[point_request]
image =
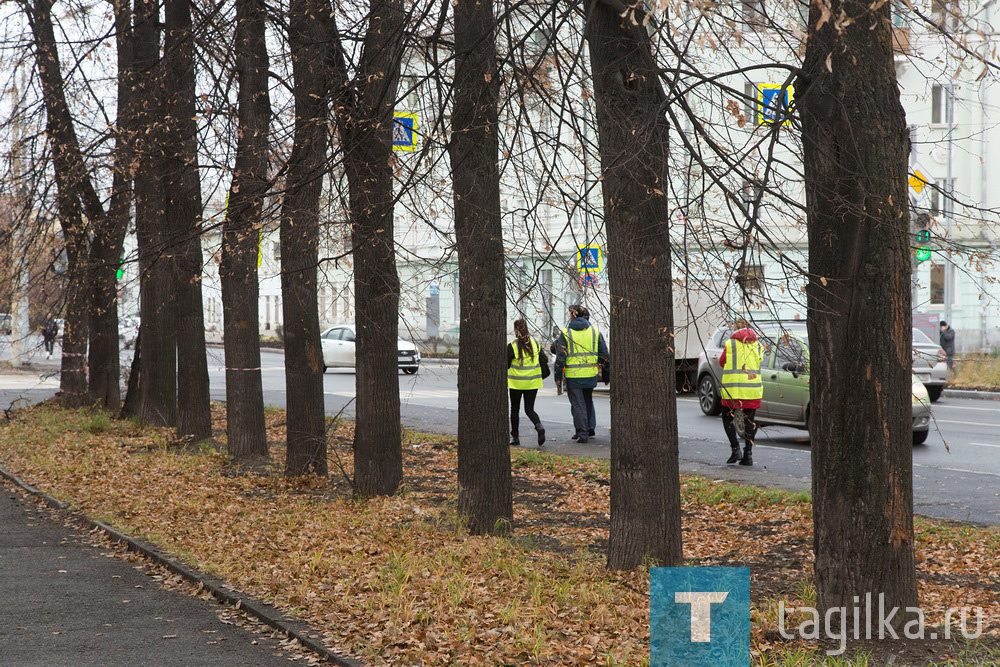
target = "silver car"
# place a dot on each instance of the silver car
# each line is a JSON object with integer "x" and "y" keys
{"x": 929, "y": 364}
{"x": 785, "y": 370}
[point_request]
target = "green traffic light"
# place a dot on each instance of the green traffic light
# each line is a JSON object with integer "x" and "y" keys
{"x": 923, "y": 253}
{"x": 923, "y": 236}
{"x": 119, "y": 274}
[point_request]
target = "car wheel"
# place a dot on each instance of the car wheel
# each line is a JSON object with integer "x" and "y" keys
{"x": 708, "y": 396}
{"x": 324, "y": 368}
{"x": 919, "y": 437}
{"x": 409, "y": 371}
{"x": 935, "y": 391}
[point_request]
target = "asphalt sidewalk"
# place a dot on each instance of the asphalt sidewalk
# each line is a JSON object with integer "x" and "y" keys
{"x": 64, "y": 601}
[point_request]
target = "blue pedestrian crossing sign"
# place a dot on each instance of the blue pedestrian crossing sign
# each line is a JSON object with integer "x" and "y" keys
{"x": 589, "y": 258}
{"x": 404, "y": 131}
{"x": 773, "y": 104}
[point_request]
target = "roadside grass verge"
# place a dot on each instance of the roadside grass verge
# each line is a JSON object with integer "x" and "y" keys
{"x": 976, "y": 371}
{"x": 397, "y": 581}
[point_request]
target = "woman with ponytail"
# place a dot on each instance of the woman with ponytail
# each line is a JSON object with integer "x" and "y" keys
{"x": 527, "y": 365}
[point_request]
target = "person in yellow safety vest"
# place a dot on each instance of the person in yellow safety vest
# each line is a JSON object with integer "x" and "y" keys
{"x": 527, "y": 366}
{"x": 581, "y": 354}
{"x": 742, "y": 388}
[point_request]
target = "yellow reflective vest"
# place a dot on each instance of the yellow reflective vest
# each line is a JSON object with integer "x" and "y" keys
{"x": 525, "y": 371}
{"x": 742, "y": 362}
{"x": 581, "y": 352}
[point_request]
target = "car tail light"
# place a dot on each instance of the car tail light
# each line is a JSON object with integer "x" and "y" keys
{"x": 942, "y": 356}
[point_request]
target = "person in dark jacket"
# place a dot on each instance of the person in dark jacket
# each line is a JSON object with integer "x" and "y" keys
{"x": 581, "y": 356}
{"x": 527, "y": 366}
{"x": 947, "y": 342}
{"x": 49, "y": 333}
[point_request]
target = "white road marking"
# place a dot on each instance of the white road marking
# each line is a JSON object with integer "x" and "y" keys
{"x": 970, "y": 472}
{"x": 983, "y": 444}
{"x": 949, "y": 421}
{"x": 945, "y": 406}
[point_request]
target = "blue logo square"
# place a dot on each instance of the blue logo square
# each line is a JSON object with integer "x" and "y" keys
{"x": 699, "y": 617}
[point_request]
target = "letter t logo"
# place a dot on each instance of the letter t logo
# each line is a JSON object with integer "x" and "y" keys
{"x": 701, "y": 611}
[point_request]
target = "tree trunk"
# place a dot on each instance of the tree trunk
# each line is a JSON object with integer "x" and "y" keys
{"x": 130, "y": 406}
{"x": 158, "y": 389}
{"x": 109, "y": 235}
{"x": 366, "y": 126}
{"x": 484, "y": 478}
{"x": 855, "y": 154}
{"x": 633, "y": 140}
{"x": 240, "y": 233}
{"x": 183, "y": 222}
{"x": 308, "y": 35}
{"x": 75, "y": 197}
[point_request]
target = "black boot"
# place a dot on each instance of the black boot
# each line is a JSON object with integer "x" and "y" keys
{"x": 541, "y": 434}
{"x": 735, "y": 456}
{"x": 514, "y": 441}
{"x": 747, "y": 459}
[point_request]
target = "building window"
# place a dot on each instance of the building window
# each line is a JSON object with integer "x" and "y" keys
{"x": 942, "y": 105}
{"x": 942, "y": 200}
{"x": 276, "y": 250}
{"x": 750, "y": 103}
{"x": 899, "y": 17}
{"x": 937, "y": 285}
{"x": 947, "y": 14}
{"x": 752, "y": 12}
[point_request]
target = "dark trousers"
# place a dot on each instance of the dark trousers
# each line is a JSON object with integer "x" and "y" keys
{"x": 749, "y": 426}
{"x": 529, "y": 407}
{"x": 581, "y": 404}
{"x": 50, "y": 344}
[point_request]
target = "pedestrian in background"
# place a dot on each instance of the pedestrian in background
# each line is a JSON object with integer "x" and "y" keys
{"x": 49, "y": 333}
{"x": 527, "y": 366}
{"x": 742, "y": 389}
{"x": 581, "y": 354}
{"x": 947, "y": 342}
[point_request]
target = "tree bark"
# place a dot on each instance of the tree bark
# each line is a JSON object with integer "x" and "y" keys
{"x": 75, "y": 197}
{"x": 308, "y": 35}
{"x": 109, "y": 235}
{"x": 484, "y": 477}
{"x": 855, "y": 154}
{"x": 183, "y": 222}
{"x": 238, "y": 270}
{"x": 366, "y": 128}
{"x": 158, "y": 389}
{"x": 633, "y": 144}
{"x": 130, "y": 406}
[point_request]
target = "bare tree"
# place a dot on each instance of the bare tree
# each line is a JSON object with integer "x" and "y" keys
{"x": 484, "y": 477}
{"x": 109, "y": 232}
{"x": 238, "y": 271}
{"x": 308, "y": 33}
{"x": 633, "y": 140}
{"x": 364, "y": 110}
{"x": 158, "y": 364}
{"x": 855, "y": 154}
{"x": 183, "y": 207}
{"x": 76, "y": 198}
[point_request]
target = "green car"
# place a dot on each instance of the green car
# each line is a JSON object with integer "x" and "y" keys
{"x": 785, "y": 370}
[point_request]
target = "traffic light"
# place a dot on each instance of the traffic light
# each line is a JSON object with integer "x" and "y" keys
{"x": 120, "y": 273}
{"x": 923, "y": 237}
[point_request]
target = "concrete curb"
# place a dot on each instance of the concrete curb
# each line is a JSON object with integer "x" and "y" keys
{"x": 309, "y": 638}
{"x": 969, "y": 393}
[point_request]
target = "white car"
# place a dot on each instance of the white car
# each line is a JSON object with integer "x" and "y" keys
{"x": 339, "y": 345}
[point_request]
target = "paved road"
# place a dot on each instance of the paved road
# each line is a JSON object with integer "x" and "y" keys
{"x": 963, "y": 483}
{"x": 64, "y": 601}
